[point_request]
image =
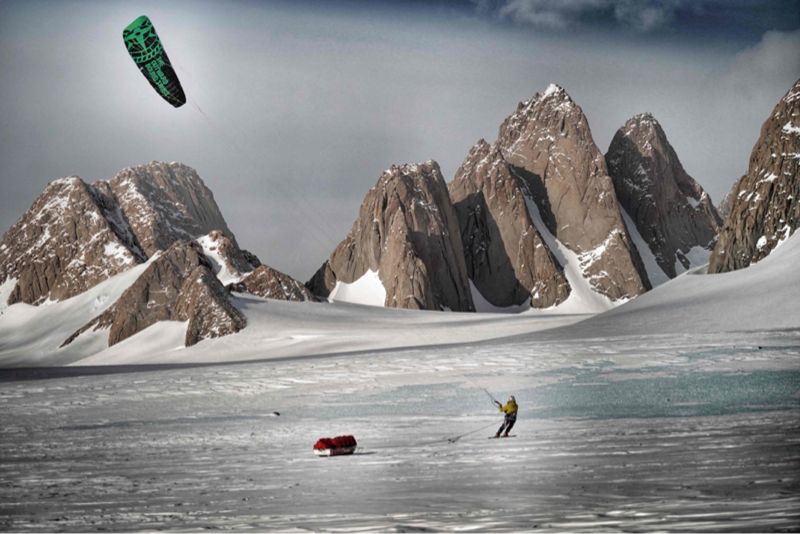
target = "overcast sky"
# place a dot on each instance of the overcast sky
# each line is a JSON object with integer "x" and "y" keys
{"x": 295, "y": 108}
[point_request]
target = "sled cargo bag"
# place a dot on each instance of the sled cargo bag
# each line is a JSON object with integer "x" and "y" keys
{"x": 335, "y": 446}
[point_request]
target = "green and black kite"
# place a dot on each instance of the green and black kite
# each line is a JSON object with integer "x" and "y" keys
{"x": 147, "y": 52}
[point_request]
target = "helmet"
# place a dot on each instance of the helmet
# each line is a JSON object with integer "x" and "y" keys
{"x": 511, "y": 398}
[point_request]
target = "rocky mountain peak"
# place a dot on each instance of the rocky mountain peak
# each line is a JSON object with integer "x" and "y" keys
{"x": 540, "y": 119}
{"x": 554, "y": 95}
{"x": 62, "y": 245}
{"x": 548, "y": 144}
{"x": 645, "y": 128}
{"x": 407, "y": 233}
{"x": 506, "y": 256}
{"x": 165, "y": 202}
{"x": 764, "y": 206}
{"x": 668, "y": 208}
{"x": 76, "y": 235}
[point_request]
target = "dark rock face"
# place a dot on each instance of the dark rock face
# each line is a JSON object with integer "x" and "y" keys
{"x": 179, "y": 285}
{"x": 506, "y": 257}
{"x": 545, "y": 158}
{"x": 270, "y": 283}
{"x": 671, "y": 211}
{"x": 206, "y": 305}
{"x": 408, "y": 232}
{"x": 764, "y": 207}
{"x": 63, "y": 245}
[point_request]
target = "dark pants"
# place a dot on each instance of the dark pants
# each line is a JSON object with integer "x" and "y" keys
{"x": 508, "y": 424}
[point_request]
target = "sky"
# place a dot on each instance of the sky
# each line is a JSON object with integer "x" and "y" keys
{"x": 296, "y": 107}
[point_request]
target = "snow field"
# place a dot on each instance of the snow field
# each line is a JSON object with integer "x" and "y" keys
{"x": 650, "y": 433}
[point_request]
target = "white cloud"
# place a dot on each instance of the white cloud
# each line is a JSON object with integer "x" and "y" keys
{"x": 549, "y": 13}
{"x": 644, "y": 17}
{"x": 641, "y": 16}
{"x": 775, "y": 60}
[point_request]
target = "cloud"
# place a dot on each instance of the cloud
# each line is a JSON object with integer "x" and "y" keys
{"x": 776, "y": 58}
{"x": 638, "y": 15}
{"x": 549, "y": 13}
{"x": 645, "y": 16}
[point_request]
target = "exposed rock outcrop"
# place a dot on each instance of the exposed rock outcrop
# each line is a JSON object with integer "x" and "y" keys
{"x": 506, "y": 257}
{"x": 76, "y": 235}
{"x": 230, "y": 263}
{"x": 163, "y": 203}
{"x": 179, "y": 285}
{"x": 407, "y": 231}
{"x": 544, "y": 159}
{"x": 671, "y": 211}
{"x": 272, "y": 284}
{"x": 63, "y": 245}
{"x": 764, "y": 209}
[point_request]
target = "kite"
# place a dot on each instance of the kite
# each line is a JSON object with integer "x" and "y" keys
{"x": 148, "y": 53}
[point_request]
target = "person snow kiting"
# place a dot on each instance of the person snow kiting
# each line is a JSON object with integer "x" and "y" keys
{"x": 510, "y": 409}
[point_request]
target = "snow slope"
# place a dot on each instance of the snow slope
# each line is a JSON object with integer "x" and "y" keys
{"x": 280, "y": 329}
{"x": 367, "y": 290}
{"x": 655, "y": 274}
{"x": 32, "y": 335}
{"x": 582, "y": 298}
{"x": 225, "y": 274}
{"x": 764, "y": 296}
{"x": 761, "y": 297}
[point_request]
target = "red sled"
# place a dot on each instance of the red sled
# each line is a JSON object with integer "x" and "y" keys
{"x": 335, "y": 446}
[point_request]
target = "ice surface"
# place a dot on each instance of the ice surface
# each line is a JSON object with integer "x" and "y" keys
{"x": 650, "y": 433}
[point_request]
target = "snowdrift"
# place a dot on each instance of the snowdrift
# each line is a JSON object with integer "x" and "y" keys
{"x": 764, "y": 296}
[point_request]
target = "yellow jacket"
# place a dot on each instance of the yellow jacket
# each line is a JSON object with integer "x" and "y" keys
{"x": 510, "y": 408}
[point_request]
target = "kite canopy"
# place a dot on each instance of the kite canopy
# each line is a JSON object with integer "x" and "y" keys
{"x": 148, "y": 53}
